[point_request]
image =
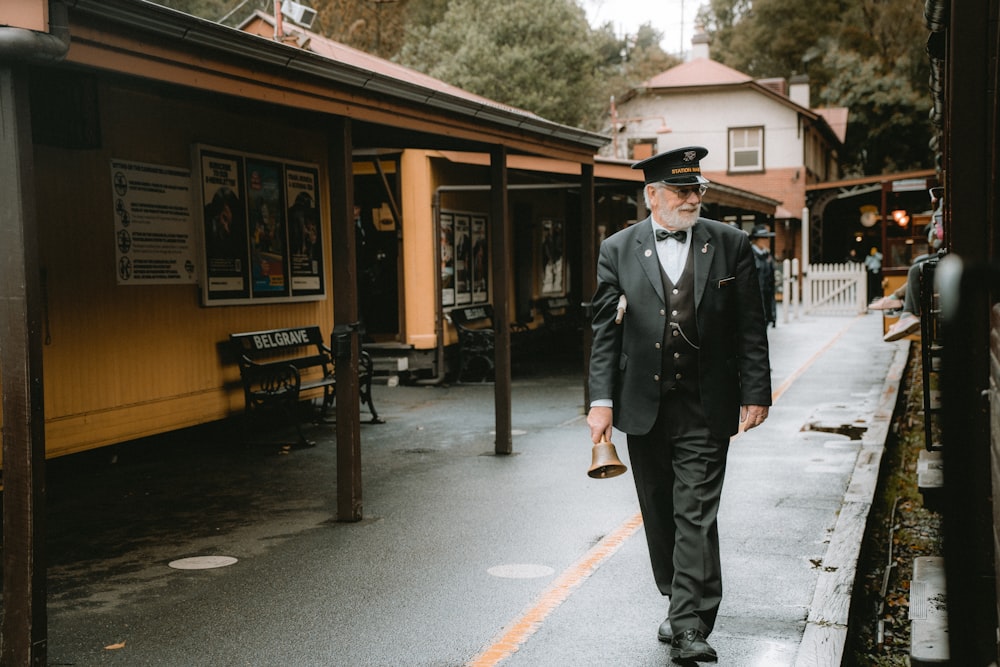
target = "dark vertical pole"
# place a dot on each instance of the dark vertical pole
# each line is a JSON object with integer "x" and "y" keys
{"x": 345, "y": 314}
{"x": 970, "y": 145}
{"x": 501, "y": 261}
{"x": 24, "y": 634}
{"x": 588, "y": 264}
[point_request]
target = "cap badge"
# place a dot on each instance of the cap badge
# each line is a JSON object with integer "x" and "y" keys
{"x": 690, "y": 155}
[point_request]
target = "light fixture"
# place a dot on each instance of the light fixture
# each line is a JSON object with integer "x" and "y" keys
{"x": 869, "y": 216}
{"x": 901, "y": 217}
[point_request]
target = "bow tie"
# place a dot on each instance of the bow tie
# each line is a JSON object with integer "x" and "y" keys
{"x": 679, "y": 236}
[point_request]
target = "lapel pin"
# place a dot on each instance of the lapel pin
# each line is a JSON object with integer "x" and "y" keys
{"x": 704, "y": 248}
{"x": 649, "y": 253}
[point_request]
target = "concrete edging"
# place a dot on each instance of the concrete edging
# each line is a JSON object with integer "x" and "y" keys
{"x": 825, "y": 635}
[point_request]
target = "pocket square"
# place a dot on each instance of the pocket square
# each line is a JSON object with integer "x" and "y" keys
{"x": 726, "y": 282}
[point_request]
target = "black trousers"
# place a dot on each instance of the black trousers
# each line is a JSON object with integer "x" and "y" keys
{"x": 678, "y": 469}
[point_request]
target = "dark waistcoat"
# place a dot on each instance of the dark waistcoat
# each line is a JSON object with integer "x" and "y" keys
{"x": 679, "y": 359}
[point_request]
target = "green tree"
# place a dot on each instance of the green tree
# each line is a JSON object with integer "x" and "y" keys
{"x": 373, "y": 26}
{"x": 888, "y": 129}
{"x": 866, "y": 55}
{"x": 533, "y": 54}
{"x": 625, "y": 63}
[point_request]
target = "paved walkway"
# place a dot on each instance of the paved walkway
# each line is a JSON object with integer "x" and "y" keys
{"x": 466, "y": 558}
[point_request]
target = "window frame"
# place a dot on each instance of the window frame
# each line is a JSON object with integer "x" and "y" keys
{"x": 731, "y": 149}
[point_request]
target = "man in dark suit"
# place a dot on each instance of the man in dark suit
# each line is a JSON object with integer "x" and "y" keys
{"x": 679, "y": 363}
{"x": 760, "y": 243}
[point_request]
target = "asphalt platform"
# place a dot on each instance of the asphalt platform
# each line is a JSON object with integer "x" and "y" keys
{"x": 463, "y": 557}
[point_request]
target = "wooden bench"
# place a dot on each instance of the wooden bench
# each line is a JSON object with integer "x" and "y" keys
{"x": 278, "y": 366}
{"x": 559, "y": 316}
{"x": 477, "y": 340}
{"x": 562, "y": 324}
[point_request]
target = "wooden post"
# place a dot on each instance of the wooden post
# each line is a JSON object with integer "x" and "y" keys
{"x": 24, "y": 633}
{"x": 345, "y": 316}
{"x": 588, "y": 266}
{"x": 501, "y": 261}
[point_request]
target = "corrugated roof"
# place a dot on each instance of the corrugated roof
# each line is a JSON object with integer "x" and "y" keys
{"x": 448, "y": 111}
{"x": 328, "y": 48}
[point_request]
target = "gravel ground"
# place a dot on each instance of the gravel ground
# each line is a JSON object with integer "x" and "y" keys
{"x": 901, "y": 528}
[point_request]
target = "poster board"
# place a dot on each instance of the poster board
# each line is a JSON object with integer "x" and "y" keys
{"x": 260, "y": 228}
{"x": 552, "y": 258}
{"x": 155, "y": 241}
{"x": 464, "y": 255}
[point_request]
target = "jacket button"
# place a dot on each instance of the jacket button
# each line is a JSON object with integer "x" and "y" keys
{"x": 662, "y": 312}
{"x": 677, "y": 355}
{"x": 657, "y": 345}
{"x": 677, "y": 377}
{"x": 656, "y": 377}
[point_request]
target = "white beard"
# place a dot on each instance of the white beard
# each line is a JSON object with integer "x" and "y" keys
{"x": 678, "y": 219}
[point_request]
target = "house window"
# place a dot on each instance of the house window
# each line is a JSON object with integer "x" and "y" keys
{"x": 746, "y": 149}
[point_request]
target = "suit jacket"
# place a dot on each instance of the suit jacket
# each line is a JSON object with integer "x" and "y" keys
{"x": 733, "y": 365}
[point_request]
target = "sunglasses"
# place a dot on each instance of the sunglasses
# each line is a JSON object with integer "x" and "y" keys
{"x": 687, "y": 191}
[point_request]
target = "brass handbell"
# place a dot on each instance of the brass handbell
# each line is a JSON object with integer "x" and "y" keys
{"x": 604, "y": 461}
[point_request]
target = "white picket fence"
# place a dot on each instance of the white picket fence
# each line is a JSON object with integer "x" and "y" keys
{"x": 827, "y": 289}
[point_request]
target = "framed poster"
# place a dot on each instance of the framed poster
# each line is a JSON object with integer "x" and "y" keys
{"x": 447, "y": 254}
{"x": 262, "y": 231}
{"x": 305, "y": 233}
{"x": 226, "y": 274}
{"x": 463, "y": 255}
{"x": 268, "y": 235}
{"x": 465, "y": 258}
{"x": 480, "y": 260}
{"x": 552, "y": 251}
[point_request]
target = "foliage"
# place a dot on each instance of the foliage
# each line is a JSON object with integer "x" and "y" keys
{"x": 531, "y": 54}
{"x": 888, "y": 129}
{"x": 538, "y": 55}
{"x": 373, "y": 26}
{"x": 866, "y": 55}
{"x": 624, "y": 63}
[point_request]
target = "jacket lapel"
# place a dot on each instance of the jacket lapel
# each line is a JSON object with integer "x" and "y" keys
{"x": 645, "y": 254}
{"x": 703, "y": 249}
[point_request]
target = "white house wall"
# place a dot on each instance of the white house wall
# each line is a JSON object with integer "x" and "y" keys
{"x": 703, "y": 119}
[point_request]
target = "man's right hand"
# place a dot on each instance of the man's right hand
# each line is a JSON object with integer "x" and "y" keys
{"x": 599, "y": 420}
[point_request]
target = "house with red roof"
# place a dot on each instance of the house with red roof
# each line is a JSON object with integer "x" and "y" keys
{"x": 763, "y": 135}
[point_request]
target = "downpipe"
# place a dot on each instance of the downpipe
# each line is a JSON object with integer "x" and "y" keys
{"x": 21, "y": 44}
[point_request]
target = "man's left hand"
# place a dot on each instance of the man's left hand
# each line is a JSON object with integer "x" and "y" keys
{"x": 752, "y": 415}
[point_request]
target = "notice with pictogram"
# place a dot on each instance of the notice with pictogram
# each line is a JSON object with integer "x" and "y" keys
{"x": 154, "y": 228}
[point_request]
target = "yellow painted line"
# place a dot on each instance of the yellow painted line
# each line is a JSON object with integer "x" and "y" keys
{"x": 809, "y": 362}
{"x": 516, "y": 634}
{"x": 783, "y": 387}
{"x": 511, "y": 639}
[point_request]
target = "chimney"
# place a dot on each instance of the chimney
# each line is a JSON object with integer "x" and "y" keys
{"x": 798, "y": 90}
{"x": 699, "y": 43}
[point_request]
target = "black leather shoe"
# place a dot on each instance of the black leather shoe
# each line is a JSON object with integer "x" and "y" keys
{"x": 691, "y": 645}
{"x": 665, "y": 634}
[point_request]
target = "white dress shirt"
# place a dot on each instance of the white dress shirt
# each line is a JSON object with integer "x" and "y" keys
{"x": 672, "y": 253}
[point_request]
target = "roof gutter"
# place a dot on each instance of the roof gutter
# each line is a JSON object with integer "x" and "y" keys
{"x": 149, "y": 17}
{"x": 26, "y": 45}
